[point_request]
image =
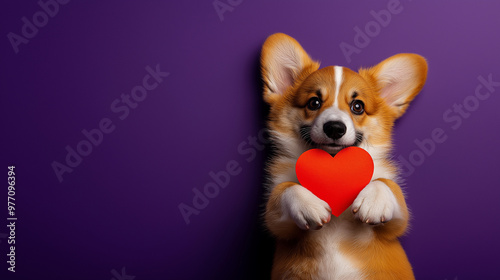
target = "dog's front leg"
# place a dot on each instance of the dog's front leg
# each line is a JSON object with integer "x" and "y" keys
{"x": 382, "y": 201}
{"x": 292, "y": 208}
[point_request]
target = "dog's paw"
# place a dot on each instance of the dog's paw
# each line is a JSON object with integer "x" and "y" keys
{"x": 376, "y": 204}
{"x": 305, "y": 208}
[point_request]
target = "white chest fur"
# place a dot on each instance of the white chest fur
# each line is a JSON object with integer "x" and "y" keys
{"x": 333, "y": 263}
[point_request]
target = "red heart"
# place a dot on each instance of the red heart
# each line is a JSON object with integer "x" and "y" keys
{"x": 336, "y": 180}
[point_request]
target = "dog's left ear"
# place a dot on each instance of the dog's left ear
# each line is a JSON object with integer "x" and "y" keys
{"x": 399, "y": 79}
{"x": 283, "y": 62}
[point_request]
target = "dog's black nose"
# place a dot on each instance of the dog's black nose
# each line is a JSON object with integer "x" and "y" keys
{"x": 334, "y": 129}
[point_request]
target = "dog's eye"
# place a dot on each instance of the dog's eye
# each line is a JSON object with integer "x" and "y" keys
{"x": 357, "y": 107}
{"x": 314, "y": 104}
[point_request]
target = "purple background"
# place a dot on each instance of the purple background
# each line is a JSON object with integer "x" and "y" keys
{"x": 119, "y": 207}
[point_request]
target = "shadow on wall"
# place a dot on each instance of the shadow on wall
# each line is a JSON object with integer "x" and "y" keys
{"x": 256, "y": 261}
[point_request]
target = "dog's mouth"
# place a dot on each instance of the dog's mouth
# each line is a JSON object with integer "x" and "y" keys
{"x": 305, "y": 134}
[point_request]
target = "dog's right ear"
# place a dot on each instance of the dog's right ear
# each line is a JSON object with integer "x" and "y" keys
{"x": 283, "y": 62}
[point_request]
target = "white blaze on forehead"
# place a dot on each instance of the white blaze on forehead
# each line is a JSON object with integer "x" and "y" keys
{"x": 338, "y": 81}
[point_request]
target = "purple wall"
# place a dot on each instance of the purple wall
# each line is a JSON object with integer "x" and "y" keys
{"x": 116, "y": 214}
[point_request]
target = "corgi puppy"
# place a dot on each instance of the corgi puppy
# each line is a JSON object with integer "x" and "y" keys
{"x": 332, "y": 108}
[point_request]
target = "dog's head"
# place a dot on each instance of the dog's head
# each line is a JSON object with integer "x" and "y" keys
{"x": 334, "y": 107}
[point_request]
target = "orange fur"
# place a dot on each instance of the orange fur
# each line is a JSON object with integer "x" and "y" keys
{"x": 291, "y": 78}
